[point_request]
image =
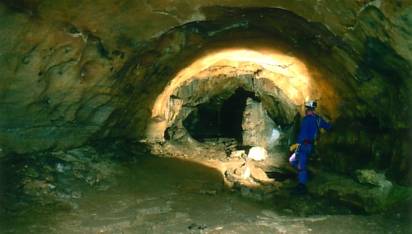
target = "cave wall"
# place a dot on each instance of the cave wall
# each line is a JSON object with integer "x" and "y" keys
{"x": 55, "y": 87}
{"x": 73, "y": 71}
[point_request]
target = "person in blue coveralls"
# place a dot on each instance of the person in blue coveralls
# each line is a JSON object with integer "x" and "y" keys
{"x": 309, "y": 128}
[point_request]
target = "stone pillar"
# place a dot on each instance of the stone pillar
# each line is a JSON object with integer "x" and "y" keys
{"x": 257, "y": 126}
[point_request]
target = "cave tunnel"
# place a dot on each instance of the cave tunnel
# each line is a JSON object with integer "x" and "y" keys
{"x": 164, "y": 106}
{"x": 219, "y": 118}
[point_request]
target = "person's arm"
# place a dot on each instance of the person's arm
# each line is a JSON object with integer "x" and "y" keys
{"x": 323, "y": 124}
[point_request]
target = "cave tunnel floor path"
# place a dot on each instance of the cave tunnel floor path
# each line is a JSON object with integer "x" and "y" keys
{"x": 163, "y": 195}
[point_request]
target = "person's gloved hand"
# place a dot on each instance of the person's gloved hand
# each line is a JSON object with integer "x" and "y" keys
{"x": 293, "y": 147}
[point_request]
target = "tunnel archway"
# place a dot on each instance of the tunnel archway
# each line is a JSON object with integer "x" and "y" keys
{"x": 219, "y": 118}
{"x": 328, "y": 89}
{"x": 282, "y": 82}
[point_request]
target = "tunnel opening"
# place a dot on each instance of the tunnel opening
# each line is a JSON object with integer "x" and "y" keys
{"x": 219, "y": 118}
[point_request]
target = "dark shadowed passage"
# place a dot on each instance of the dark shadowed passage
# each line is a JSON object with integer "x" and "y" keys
{"x": 219, "y": 118}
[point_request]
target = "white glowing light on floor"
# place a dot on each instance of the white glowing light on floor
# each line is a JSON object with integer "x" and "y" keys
{"x": 286, "y": 72}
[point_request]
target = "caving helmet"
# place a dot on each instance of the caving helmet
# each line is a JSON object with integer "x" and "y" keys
{"x": 311, "y": 104}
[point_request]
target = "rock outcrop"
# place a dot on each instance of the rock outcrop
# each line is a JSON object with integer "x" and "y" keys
{"x": 257, "y": 125}
{"x": 367, "y": 197}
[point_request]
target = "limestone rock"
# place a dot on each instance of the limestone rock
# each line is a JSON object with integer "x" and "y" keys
{"x": 258, "y": 174}
{"x": 373, "y": 178}
{"x": 49, "y": 177}
{"x": 243, "y": 171}
{"x": 237, "y": 154}
{"x": 237, "y": 174}
{"x": 364, "y": 196}
{"x": 256, "y": 125}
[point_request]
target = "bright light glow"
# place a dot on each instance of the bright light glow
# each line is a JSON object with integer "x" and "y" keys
{"x": 286, "y": 72}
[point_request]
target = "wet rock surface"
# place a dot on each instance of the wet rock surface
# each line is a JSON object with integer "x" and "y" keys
{"x": 372, "y": 177}
{"x": 261, "y": 180}
{"x": 160, "y": 195}
{"x": 57, "y": 178}
{"x": 364, "y": 196}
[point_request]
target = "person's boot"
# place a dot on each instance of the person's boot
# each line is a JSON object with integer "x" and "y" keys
{"x": 300, "y": 189}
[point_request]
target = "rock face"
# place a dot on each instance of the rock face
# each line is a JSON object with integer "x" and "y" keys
{"x": 368, "y": 197}
{"x": 58, "y": 177}
{"x": 65, "y": 73}
{"x": 212, "y": 87}
{"x": 373, "y": 178}
{"x": 257, "y": 126}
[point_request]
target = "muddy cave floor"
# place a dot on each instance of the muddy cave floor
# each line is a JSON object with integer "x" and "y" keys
{"x": 120, "y": 190}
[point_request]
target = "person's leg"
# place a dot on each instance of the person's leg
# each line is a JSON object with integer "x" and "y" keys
{"x": 303, "y": 161}
{"x": 302, "y": 158}
{"x": 302, "y": 167}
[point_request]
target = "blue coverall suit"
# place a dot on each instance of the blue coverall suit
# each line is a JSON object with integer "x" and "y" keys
{"x": 310, "y": 126}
